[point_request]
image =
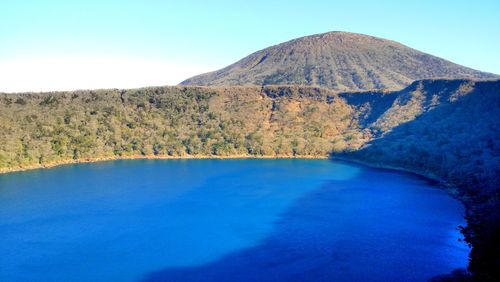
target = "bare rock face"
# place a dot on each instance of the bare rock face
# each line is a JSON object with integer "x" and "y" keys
{"x": 338, "y": 60}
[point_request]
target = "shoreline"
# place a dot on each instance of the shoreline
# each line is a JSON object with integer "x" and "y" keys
{"x": 382, "y": 166}
{"x": 450, "y": 188}
{"x": 441, "y": 182}
{"x": 155, "y": 157}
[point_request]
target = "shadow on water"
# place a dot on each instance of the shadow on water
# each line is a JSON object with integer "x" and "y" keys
{"x": 231, "y": 220}
{"x": 371, "y": 229}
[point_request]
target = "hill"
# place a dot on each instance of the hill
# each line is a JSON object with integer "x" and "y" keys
{"x": 42, "y": 129}
{"x": 337, "y": 60}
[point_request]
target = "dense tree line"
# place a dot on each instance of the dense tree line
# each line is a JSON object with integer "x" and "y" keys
{"x": 41, "y": 129}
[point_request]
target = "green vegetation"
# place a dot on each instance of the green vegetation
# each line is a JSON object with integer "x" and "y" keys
{"x": 43, "y": 129}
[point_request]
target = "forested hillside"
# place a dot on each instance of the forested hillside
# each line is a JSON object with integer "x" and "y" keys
{"x": 449, "y": 120}
{"x": 446, "y": 128}
{"x": 42, "y": 129}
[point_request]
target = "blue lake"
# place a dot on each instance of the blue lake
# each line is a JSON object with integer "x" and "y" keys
{"x": 226, "y": 220}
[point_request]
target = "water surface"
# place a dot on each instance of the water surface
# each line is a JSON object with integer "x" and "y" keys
{"x": 225, "y": 220}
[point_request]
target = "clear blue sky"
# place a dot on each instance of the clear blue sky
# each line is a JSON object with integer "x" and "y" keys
{"x": 212, "y": 34}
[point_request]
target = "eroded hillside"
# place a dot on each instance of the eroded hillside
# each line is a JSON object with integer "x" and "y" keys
{"x": 341, "y": 61}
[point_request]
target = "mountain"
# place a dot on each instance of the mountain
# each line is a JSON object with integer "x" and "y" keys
{"x": 337, "y": 60}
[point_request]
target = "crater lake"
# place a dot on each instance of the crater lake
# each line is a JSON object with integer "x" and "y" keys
{"x": 226, "y": 220}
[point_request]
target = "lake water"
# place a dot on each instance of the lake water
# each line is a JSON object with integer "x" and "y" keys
{"x": 225, "y": 220}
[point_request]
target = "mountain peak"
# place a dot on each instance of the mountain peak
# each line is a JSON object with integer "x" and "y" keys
{"x": 338, "y": 60}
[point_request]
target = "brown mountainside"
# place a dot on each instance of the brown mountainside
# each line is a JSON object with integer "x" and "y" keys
{"x": 337, "y": 60}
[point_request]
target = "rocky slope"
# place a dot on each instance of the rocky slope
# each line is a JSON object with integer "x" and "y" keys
{"x": 337, "y": 60}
